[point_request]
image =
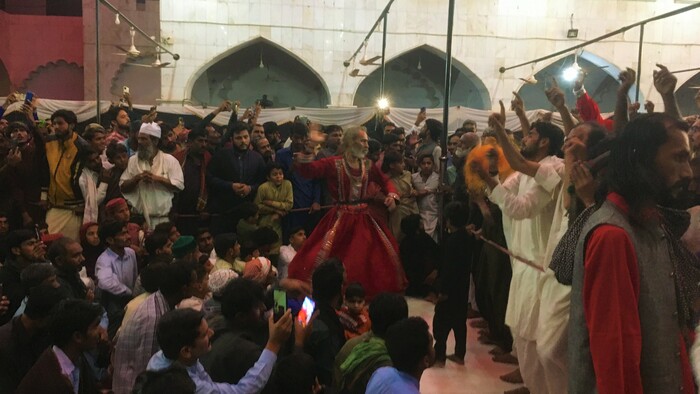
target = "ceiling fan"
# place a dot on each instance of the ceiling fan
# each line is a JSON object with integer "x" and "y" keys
{"x": 356, "y": 73}
{"x": 156, "y": 64}
{"x": 371, "y": 61}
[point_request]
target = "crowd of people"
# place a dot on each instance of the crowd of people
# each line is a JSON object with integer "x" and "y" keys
{"x": 144, "y": 257}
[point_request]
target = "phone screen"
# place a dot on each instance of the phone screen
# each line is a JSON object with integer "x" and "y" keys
{"x": 280, "y": 298}
{"x": 307, "y": 309}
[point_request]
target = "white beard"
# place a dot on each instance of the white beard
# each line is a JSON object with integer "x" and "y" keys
{"x": 358, "y": 152}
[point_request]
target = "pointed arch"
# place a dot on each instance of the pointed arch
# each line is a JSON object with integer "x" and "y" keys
{"x": 601, "y": 82}
{"x": 408, "y": 86}
{"x": 685, "y": 95}
{"x": 257, "y": 67}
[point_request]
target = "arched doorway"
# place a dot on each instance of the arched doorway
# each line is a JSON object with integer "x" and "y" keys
{"x": 260, "y": 67}
{"x": 685, "y": 95}
{"x": 416, "y": 79}
{"x": 601, "y": 82}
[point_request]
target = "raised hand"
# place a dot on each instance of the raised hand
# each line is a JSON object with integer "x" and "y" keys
{"x": 627, "y": 79}
{"x": 517, "y": 104}
{"x": 555, "y": 95}
{"x": 664, "y": 81}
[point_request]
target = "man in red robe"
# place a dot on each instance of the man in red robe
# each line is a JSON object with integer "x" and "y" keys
{"x": 350, "y": 231}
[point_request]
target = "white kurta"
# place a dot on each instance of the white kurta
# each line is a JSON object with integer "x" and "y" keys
{"x": 92, "y": 194}
{"x": 153, "y": 200}
{"x": 528, "y": 205}
{"x": 428, "y": 205}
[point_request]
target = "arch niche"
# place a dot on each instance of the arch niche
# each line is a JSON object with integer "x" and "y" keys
{"x": 685, "y": 95}
{"x": 601, "y": 82}
{"x": 416, "y": 79}
{"x": 259, "y": 67}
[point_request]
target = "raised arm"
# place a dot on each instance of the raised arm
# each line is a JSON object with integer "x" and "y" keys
{"x": 627, "y": 79}
{"x": 665, "y": 84}
{"x": 515, "y": 159}
{"x": 556, "y": 97}
{"x": 518, "y": 105}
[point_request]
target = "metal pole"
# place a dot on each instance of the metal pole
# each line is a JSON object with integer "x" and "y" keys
{"x": 97, "y": 59}
{"x": 639, "y": 61}
{"x": 374, "y": 27}
{"x": 446, "y": 113}
{"x": 381, "y": 85}
{"x": 138, "y": 29}
{"x": 604, "y": 36}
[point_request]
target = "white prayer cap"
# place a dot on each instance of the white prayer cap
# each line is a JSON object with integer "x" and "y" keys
{"x": 151, "y": 129}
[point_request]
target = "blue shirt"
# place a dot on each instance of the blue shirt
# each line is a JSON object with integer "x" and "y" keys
{"x": 306, "y": 191}
{"x": 254, "y": 380}
{"x": 116, "y": 275}
{"x": 389, "y": 380}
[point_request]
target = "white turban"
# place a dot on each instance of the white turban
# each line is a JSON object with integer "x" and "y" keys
{"x": 151, "y": 129}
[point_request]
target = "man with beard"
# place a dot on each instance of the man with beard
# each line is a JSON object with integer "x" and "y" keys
{"x": 429, "y": 135}
{"x": 262, "y": 146}
{"x": 67, "y": 256}
{"x": 24, "y": 249}
{"x": 306, "y": 191}
{"x": 528, "y": 205}
{"x": 120, "y": 125}
{"x": 62, "y": 155}
{"x": 233, "y": 176}
{"x": 152, "y": 178}
{"x": 191, "y": 202}
{"x": 334, "y": 136}
{"x": 350, "y": 231}
{"x": 634, "y": 283}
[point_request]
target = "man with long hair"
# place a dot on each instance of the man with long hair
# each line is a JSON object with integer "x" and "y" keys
{"x": 634, "y": 283}
{"x": 350, "y": 231}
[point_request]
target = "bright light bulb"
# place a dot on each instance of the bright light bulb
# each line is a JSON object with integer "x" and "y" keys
{"x": 383, "y": 103}
{"x": 570, "y": 74}
{"x": 116, "y": 20}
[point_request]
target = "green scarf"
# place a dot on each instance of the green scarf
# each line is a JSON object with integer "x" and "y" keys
{"x": 366, "y": 354}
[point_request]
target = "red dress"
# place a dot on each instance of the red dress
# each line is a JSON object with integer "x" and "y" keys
{"x": 350, "y": 231}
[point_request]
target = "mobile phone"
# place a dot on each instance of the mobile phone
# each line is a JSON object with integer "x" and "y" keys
{"x": 307, "y": 309}
{"x": 422, "y": 109}
{"x": 28, "y": 98}
{"x": 280, "y": 298}
{"x": 125, "y": 89}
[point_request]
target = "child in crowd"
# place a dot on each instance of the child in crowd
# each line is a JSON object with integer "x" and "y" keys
{"x": 118, "y": 158}
{"x": 274, "y": 200}
{"x": 453, "y": 286}
{"x": 287, "y": 252}
{"x": 247, "y": 222}
{"x": 91, "y": 176}
{"x": 395, "y": 167}
{"x": 426, "y": 182}
{"x": 419, "y": 255}
{"x": 354, "y": 315}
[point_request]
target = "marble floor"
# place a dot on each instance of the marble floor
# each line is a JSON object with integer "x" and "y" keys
{"x": 478, "y": 376}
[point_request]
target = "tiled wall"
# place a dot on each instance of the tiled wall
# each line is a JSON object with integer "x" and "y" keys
{"x": 488, "y": 34}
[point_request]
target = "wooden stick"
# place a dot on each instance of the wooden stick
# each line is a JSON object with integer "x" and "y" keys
{"x": 506, "y": 251}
